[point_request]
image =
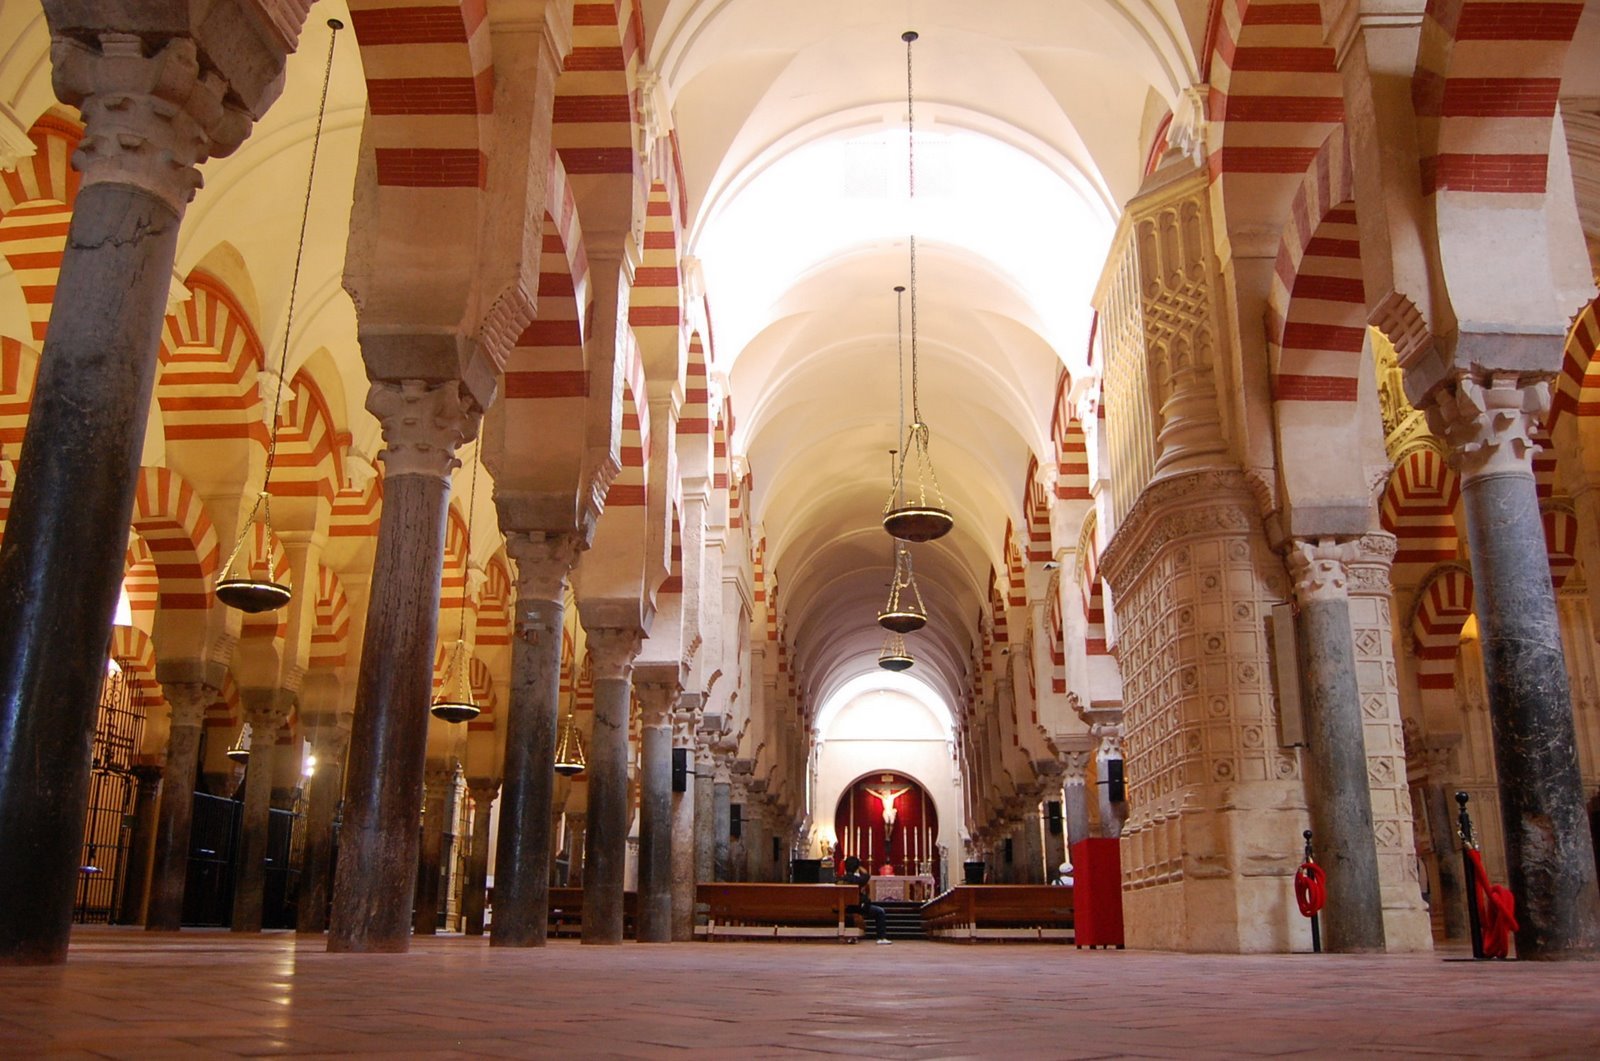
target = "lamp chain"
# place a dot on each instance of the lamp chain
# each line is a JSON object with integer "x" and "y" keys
{"x": 911, "y": 188}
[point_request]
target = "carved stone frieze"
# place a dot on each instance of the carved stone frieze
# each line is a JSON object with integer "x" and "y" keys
{"x": 423, "y": 425}
{"x": 544, "y": 561}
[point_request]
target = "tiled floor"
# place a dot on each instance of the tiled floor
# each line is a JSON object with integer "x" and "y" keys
{"x": 125, "y": 993}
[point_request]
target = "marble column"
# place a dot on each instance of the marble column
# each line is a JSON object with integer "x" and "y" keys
{"x": 1340, "y": 803}
{"x": 375, "y": 883}
{"x": 1111, "y": 814}
{"x": 611, "y": 654}
{"x": 524, "y": 844}
{"x": 1075, "y": 795}
{"x": 322, "y": 806}
{"x": 188, "y": 701}
{"x": 438, "y": 805}
{"x": 1439, "y": 803}
{"x": 154, "y": 107}
{"x": 141, "y": 843}
{"x": 722, "y": 817}
{"x": 705, "y": 816}
{"x": 577, "y": 845}
{"x": 1031, "y": 839}
{"x": 683, "y": 821}
{"x": 474, "y": 895}
{"x": 266, "y": 710}
{"x": 656, "y": 702}
{"x": 1489, "y": 420}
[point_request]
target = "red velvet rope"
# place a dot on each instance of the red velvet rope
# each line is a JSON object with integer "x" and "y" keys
{"x": 1497, "y": 916}
{"x": 1310, "y": 888}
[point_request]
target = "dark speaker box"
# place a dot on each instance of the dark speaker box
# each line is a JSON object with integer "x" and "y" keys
{"x": 1116, "y": 785}
{"x": 736, "y": 821}
{"x": 1008, "y": 849}
{"x": 680, "y": 769}
{"x": 1053, "y": 816}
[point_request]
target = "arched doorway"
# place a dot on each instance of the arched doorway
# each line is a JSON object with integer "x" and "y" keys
{"x": 888, "y": 817}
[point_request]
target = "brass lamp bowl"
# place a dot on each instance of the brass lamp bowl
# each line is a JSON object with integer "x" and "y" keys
{"x": 454, "y": 711}
{"x": 253, "y": 595}
{"x": 901, "y": 621}
{"x": 895, "y": 663}
{"x": 918, "y": 523}
{"x": 569, "y": 769}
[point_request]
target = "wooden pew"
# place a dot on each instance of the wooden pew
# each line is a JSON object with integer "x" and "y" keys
{"x": 1000, "y": 911}
{"x": 566, "y": 912}
{"x": 772, "y": 911}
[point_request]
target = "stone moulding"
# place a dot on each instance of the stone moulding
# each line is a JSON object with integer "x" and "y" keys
{"x": 1179, "y": 507}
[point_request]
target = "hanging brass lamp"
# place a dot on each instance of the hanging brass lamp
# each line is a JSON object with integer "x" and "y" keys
{"x": 247, "y": 589}
{"x": 895, "y": 656}
{"x": 454, "y": 703}
{"x": 915, "y": 512}
{"x": 904, "y": 613}
{"x": 569, "y": 748}
{"x": 239, "y": 750}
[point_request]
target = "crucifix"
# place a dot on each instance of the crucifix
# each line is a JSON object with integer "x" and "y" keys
{"x": 887, "y": 797}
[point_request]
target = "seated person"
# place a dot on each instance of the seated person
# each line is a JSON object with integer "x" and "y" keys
{"x": 1064, "y": 875}
{"x": 854, "y": 874}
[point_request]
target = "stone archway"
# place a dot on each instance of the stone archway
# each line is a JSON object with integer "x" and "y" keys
{"x": 888, "y": 817}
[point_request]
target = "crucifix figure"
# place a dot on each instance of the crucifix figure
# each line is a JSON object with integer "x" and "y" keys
{"x": 887, "y": 797}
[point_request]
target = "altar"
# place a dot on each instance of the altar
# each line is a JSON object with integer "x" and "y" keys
{"x": 915, "y": 889}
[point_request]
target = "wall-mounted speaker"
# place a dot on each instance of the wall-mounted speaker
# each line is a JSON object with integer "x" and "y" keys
{"x": 1116, "y": 784}
{"x": 777, "y": 848}
{"x": 1008, "y": 849}
{"x": 735, "y": 820}
{"x": 680, "y": 769}
{"x": 1053, "y": 816}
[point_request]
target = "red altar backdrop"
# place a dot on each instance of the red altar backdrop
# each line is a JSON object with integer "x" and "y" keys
{"x": 859, "y": 823}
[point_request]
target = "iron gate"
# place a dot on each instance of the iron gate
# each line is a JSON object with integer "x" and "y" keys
{"x": 119, "y": 725}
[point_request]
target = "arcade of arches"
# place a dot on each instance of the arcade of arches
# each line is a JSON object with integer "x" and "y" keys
{"x": 578, "y": 402}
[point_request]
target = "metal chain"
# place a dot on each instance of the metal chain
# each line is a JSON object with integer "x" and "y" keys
{"x": 911, "y": 189}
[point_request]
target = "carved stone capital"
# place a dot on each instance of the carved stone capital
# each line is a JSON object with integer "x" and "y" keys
{"x": 266, "y": 710}
{"x": 423, "y": 425}
{"x": 1074, "y": 767}
{"x": 543, "y": 562}
{"x": 1319, "y": 569}
{"x": 188, "y": 701}
{"x": 1489, "y": 420}
{"x": 1110, "y": 738}
{"x": 149, "y": 119}
{"x": 656, "y": 702}
{"x": 612, "y": 651}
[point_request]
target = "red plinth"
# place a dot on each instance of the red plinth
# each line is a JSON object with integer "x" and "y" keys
{"x": 1097, "y": 893}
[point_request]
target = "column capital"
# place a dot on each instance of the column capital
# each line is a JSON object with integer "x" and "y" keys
{"x": 1369, "y": 569}
{"x": 657, "y": 698}
{"x": 1075, "y": 766}
{"x": 1488, "y": 420}
{"x": 612, "y": 650}
{"x": 149, "y": 120}
{"x": 1319, "y": 568}
{"x": 423, "y": 425}
{"x": 483, "y": 790}
{"x": 544, "y": 559}
{"x": 188, "y": 701}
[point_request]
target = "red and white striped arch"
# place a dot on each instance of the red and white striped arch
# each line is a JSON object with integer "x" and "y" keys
{"x": 1577, "y": 388}
{"x": 1443, "y": 604}
{"x": 330, "y": 635}
{"x": 1317, "y": 310}
{"x": 1091, "y": 588}
{"x": 595, "y": 107}
{"x": 135, "y": 653}
{"x": 308, "y": 458}
{"x": 997, "y": 608}
{"x": 211, "y": 359}
{"x": 141, "y": 581}
{"x": 694, "y": 420}
{"x": 225, "y": 715}
{"x": 481, "y": 680}
{"x": 35, "y": 210}
{"x": 1072, "y": 450}
{"x": 1418, "y": 508}
{"x": 1561, "y": 540}
{"x": 1016, "y": 570}
{"x": 1058, "y": 647}
{"x": 1036, "y": 511}
{"x": 654, "y": 303}
{"x": 357, "y": 510}
{"x": 264, "y": 555}
{"x": 430, "y": 90}
{"x": 494, "y": 605}
{"x": 1485, "y": 90}
{"x": 673, "y": 584}
{"x": 630, "y": 488}
{"x": 1275, "y": 94}
{"x": 19, "y": 366}
{"x": 453, "y": 580}
{"x": 172, "y": 520}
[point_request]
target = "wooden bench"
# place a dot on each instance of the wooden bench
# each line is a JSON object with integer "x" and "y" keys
{"x": 1000, "y": 911}
{"x": 774, "y": 911}
{"x": 566, "y": 912}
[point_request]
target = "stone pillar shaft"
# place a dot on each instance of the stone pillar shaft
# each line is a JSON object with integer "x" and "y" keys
{"x": 705, "y": 815}
{"x": 683, "y": 834}
{"x": 188, "y": 701}
{"x": 437, "y": 808}
{"x": 474, "y": 894}
{"x": 141, "y": 844}
{"x": 377, "y": 872}
{"x": 1489, "y": 421}
{"x": 250, "y": 880}
{"x": 655, "y": 813}
{"x": 611, "y": 652}
{"x": 316, "y": 869}
{"x": 722, "y": 825}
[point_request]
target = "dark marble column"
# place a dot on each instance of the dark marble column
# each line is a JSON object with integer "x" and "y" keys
{"x": 267, "y": 710}
{"x": 1340, "y": 802}
{"x": 1488, "y": 420}
{"x": 722, "y": 816}
{"x": 322, "y": 804}
{"x": 684, "y": 721}
{"x": 657, "y": 698}
{"x": 438, "y": 806}
{"x": 152, "y": 111}
{"x": 577, "y": 846}
{"x": 188, "y": 701}
{"x": 1441, "y": 812}
{"x": 141, "y": 844}
{"x": 1032, "y": 837}
{"x": 611, "y": 654}
{"x": 377, "y": 874}
{"x": 705, "y": 816}
{"x": 524, "y": 848}
{"x": 474, "y": 894}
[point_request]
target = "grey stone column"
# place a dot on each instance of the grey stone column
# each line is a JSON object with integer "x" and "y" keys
{"x": 266, "y": 710}
{"x": 1441, "y": 811}
{"x": 474, "y": 895}
{"x": 1340, "y": 803}
{"x": 1075, "y": 795}
{"x": 438, "y": 812}
{"x": 188, "y": 701}
{"x": 577, "y": 846}
{"x": 1112, "y": 814}
{"x": 154, "y": 107}
{"x": 322, "y": 806}
{"x": 722, "y": 817}
{"x": 657, "y": 698}
{"x": 611, "y": 653}
{"x": 375, "y": 884}
{"x": 141, "y": 844}
{"x": 705, "y": 812}
{"x": 1032, "y": 835}
{"x": 524, "y": 855}
{"x": 683, "y": 825}
{"x": 1488, "y": 420}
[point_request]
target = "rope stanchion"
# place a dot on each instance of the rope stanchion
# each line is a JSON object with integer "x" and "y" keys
{"x": 1311, "y": 893}
{"x": 1491, "y": 908}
